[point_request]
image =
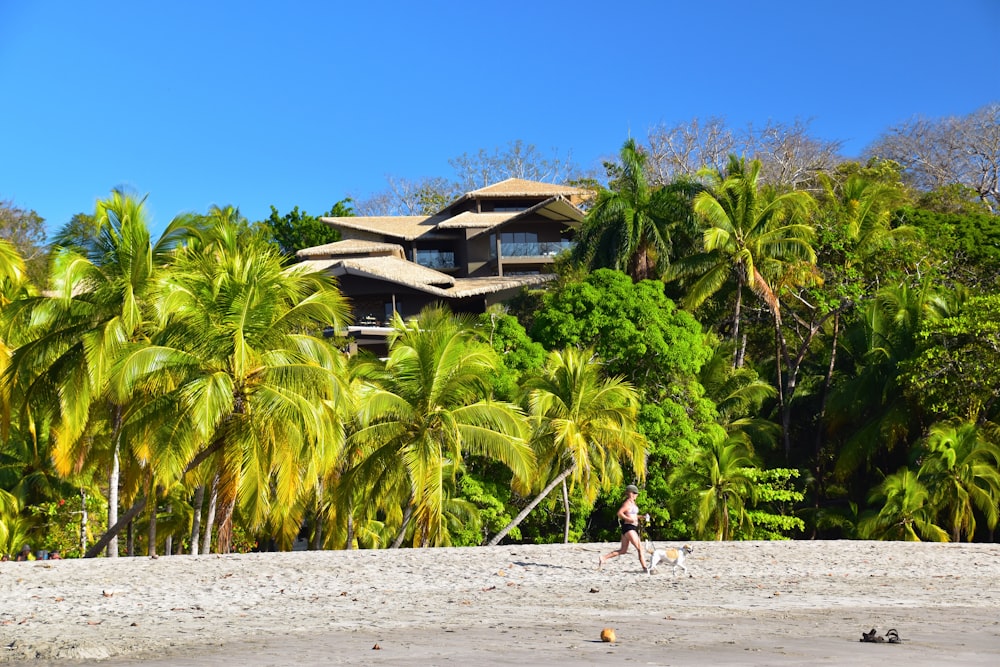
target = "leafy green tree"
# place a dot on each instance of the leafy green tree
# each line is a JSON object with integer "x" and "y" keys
{"x": 297, "y": 230}
{"x": 962, "y": 466}
{"x": 956, "y": 370}
{"x": 906, "y": 513}
{"x": 718, "y": 486}
{"x": 519, "y": 354}
{"x": 585, "y": 426}
{"x": 772, "y": 517}
{"x": 641, "y": 335}
{"x": 965, "y": 246}
{"x": 25, "y": 231}
{"x": 630, "y": 225}
{"x": 425, "y": 409}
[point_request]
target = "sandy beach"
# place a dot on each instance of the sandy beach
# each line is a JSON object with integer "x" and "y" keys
{"x": 745, "y": 603}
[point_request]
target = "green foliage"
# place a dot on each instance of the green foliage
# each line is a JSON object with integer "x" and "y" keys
{"x": 903, "y": 510}
{"x": 297, "y": 230}
{"x": 58, "y": 523}
{"x": 638, "y": 332}
{"x": 641, "y": 335}
{"x": 519, "y": 355}
{"x": 776, "y": 498}
{"x": 957, "y": 369}
{"x": 25, "y": 230}
{"x": 491, "y": 497}
{"x": 719, "y": 487}
{"x": 966, "y": 247}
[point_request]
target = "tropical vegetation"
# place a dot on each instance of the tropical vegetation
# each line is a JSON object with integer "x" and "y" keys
{"x": 771, "y": 348}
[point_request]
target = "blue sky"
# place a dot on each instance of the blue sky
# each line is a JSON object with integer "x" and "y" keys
{"x": 304, "y": 103}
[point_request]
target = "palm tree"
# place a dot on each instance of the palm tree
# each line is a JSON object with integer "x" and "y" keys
{"x": 97, "y": 304}
{"x": 871, "y": 405}
{"x": 719, "y": 485}
{"x": 963, "y": 469}
{"x": 751, "y": 237}
{"x": 585, "y": 426}
{"x": 423, "y": 410}
{"x": 906, "y": 513}
{"x": 238, "y": 378}
{"x": 630, "y": 225}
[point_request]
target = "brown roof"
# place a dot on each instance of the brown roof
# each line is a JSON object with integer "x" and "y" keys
{"x": 393, "y": 270}
{"x": 350, "y": 247}
{"x": 470, "y": 219}
{"x": 405, "y": 227}
{"x": 519, "y": 187}
{"x": 465, "y": 287}
{"x": 408, "y": 274}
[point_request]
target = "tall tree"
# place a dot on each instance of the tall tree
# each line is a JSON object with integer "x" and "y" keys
{"x": 585, "y": 428}
{"x": 239, "y": 378}
{"x": 962, "y": 467}
{"x": 297, "y": 230}
{"x": 941, "y": 152}
{"x": 25, "y": 231}
{"x": 906, "y": 511}
{"x": 98, "y": 304}
{"x": 424, "y": 410}
{"x": 751, "y": 238}
{"x": 718, "y": 485}
{"x": 630, "y": 225}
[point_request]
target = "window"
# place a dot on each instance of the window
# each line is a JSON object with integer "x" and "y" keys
{"x": 436, "y": 259}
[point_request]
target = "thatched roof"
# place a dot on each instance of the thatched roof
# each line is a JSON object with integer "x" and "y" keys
{"x": 465, "y": 287}
{"x": 420, "y": 278}
{"x": 404, "y": 227}
{"x": 393, "y": 270}
{"x": 519, "y": 187}
{"x": 350, "y": 247}
{"x": 470, "y": 219}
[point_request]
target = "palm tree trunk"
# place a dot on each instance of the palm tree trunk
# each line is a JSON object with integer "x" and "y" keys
{"x": 565, "y": 495}
{"x": 168, "y": 543}
{"x": 213, "y": 499}
{"x": 318, "y": 531}
{"x": 113, "y": 531}
{"x": 112, "y": 551}
{"x": 113, "y": 479}
{"x": 199, "y": 500}
{"x": 83, "y": 521}
{"x": 738, "y": 361}
{"x": 532, "y": 505}
{"x": 827, "y": 383}
{"x": 407, "y": 515}
{"x": 151, "y": 549}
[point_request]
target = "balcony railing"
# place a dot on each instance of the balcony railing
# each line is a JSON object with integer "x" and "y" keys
{"x": 536, "y": 249}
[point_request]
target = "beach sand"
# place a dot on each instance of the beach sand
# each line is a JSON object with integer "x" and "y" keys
{"x": 745, "y": 603}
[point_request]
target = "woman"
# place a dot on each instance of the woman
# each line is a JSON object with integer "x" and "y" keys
{"x": 628, "y": 513}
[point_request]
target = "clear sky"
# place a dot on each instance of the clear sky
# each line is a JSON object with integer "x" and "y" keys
{"x": 297, "y": 103}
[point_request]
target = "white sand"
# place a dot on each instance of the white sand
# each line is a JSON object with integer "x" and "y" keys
{"x": 746, "y": 603}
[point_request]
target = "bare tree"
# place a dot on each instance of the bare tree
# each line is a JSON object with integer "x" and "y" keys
{"x": 788, "y": 154}
{"x": 427, "y": 196}
{"x": 941, "y": 152}
{"x": 683, "y": 149}
{"x": 405, "y": 197}
{"x": 517, "y": 160}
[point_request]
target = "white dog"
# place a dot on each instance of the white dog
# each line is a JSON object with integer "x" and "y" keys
{"x": 672, "y": 557}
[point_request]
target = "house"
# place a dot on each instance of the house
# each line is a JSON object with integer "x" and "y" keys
{"x": 483, "y": 248}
